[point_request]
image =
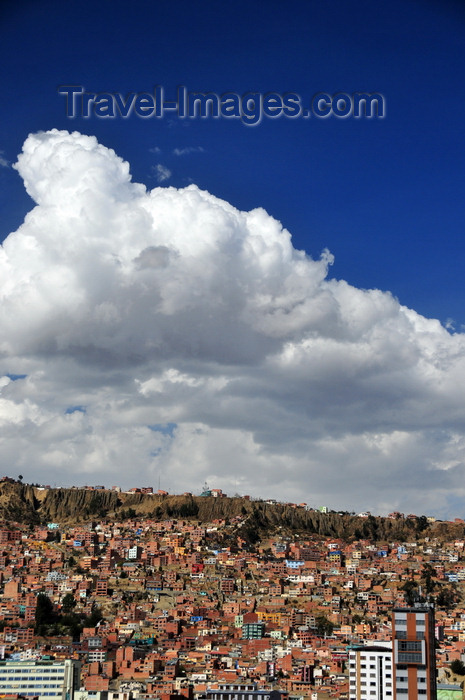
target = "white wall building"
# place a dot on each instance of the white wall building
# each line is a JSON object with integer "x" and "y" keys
{"x": 49, "y": 680}
{"x": 370, "y": 673}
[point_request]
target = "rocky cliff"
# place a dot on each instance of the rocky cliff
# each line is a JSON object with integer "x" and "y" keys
{"x": 28, "y": 504}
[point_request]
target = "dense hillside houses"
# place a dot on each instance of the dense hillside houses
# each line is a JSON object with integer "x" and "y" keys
{"x": 143, "y": 607}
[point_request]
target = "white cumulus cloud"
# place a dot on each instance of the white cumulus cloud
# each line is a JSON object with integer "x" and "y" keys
{"x": 164, "y": 334}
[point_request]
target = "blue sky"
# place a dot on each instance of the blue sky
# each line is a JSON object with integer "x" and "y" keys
{"x": 253, "y": 364}
{"x": 385, "y": 196}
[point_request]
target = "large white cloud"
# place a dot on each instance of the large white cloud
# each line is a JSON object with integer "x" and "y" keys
{"x": 165, "y": 335}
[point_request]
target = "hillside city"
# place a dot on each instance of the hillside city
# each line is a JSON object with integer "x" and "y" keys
{"x": 156, "y": 608}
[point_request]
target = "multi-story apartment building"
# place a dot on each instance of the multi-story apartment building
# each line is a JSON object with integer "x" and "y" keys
{"x": 413, "y": 653}
{"x": 46, "y": 680}
{"x": 371, "y": 673}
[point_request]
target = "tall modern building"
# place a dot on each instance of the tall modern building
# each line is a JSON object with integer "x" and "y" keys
{"x": 47, "y": 680}
{"x": 370, "y": 673}
{"x": 413, "y": 653}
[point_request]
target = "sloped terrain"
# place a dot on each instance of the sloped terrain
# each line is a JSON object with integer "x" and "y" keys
{"x": 23, "y": 503}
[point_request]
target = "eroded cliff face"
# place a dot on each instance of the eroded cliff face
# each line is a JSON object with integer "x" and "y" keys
{"x": 18, "y": 503}
{"x": 28, "y": 504}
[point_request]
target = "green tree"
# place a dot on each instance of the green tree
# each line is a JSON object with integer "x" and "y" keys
{"x": 94, "y": 617}
{"x": 410, "y": 590}
{"x": 68, "y": 603}
{"x": 458, "y": 667}
{"x": 45, "y": 614}
{"x": 324, "y": 626}
{"x": 73, "y": 624}
{"x": 447, "y": 598}
{"x": 428, "y": 574}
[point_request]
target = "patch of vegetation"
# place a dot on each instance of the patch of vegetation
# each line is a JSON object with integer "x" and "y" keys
{"x": 458, "y": 667}
{"x": 50, "y": 622}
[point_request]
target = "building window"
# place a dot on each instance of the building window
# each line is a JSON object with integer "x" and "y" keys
{"x": 409, "y": 646}
{"x": 407, "y": 657}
